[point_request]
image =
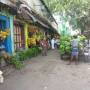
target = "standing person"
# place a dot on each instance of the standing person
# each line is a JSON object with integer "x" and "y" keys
{"x": 49, "y": 43}
{"x": 58, "y": 42}
{"x": 74, "y": 53}
{"x": 44, "y": 45}
{"x": 53, "y": 43}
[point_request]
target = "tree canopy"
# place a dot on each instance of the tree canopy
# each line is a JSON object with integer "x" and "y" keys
{"x": 77, "y": 9}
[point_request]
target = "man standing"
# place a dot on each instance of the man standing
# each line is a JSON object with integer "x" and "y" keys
{"x": 74, "y": 53}
{"x": 44, "y": 45}
{"x": 53, "y": 43}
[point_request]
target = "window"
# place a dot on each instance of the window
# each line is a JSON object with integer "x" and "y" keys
{"x": 19, "y": 41}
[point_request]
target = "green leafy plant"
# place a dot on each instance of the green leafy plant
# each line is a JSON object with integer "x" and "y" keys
{"x": 65, "y": 45}
{"x": 17, "y": 60}
{"x": 82, "y": 38}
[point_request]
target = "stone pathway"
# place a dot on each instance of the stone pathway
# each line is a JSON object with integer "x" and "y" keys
{"x": 49, "y": 73}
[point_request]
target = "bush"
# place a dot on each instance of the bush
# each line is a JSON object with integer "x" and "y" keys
{"x": 17, "y": 60}
{"x": 65, "y": 45}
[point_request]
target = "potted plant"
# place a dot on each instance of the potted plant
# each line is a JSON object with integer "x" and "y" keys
{"x": 65, "y": 46}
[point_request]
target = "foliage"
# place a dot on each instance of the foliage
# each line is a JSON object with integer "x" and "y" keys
{"x": 76, "y": 6}
{"x": 82, "y": 38}
{"x": 79, "y": 10}
{"x": 65, "y": 45}
{"x": 17, "y": 60}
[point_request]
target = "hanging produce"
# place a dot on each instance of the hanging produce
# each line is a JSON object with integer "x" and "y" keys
{"x": 4, "y": 34}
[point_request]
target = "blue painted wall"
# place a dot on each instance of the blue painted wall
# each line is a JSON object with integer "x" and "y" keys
{"x": 8, "y": 41}
{"x": 12, "y": 34}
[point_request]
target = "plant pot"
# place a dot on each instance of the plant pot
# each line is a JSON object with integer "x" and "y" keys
{"x": 65, "y": 57}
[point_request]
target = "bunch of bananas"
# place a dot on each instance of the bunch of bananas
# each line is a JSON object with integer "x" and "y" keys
{"x": 4, "y": 34}
{"x": 31, "y": 41}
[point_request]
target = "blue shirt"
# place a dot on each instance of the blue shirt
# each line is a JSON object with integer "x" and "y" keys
{"x": 75, "y": 43}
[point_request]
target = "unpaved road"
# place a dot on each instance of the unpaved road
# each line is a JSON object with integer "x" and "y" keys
{"x": 49, "y": 73}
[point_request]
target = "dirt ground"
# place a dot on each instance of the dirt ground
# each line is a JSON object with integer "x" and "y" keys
{"x": 49, "y": 73}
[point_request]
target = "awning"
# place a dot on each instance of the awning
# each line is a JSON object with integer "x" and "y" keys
{"x": 27, "y": 11}
{"x": 44, "y": 20}
{"x": 26, "y": 15}
{"x": 38, "y": 21}
{"x": 29, "y": 15}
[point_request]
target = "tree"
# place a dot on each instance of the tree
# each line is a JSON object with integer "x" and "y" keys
{"x": 78, "y": 10}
